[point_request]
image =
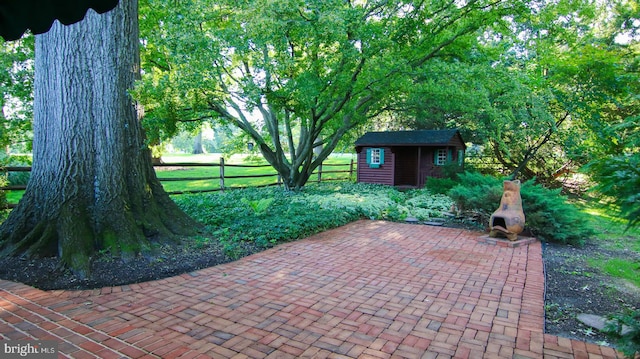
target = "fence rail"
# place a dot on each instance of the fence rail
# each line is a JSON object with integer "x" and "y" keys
{"x": 221, "y": 175}
{"x": 484, "y": 163}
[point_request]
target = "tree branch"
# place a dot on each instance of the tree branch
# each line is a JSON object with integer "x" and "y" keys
{"x": 166, "y": 68}
{"x": 531, "y": 152}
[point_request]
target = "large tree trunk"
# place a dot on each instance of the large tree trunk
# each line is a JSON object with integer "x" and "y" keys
{"x": 92, "y": 185}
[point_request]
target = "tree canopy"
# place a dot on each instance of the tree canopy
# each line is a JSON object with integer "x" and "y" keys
{"x": 539, "y": 92}
{"x": 16, "y": 86}
{"x": 295, "y": 75}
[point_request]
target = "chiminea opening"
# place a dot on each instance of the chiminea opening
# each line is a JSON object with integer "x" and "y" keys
{"x": 498, "y": 221}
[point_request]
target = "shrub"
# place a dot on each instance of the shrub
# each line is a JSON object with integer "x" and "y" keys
{"x": 477, "y": 194}
{"x": 627, "y": 341}
{"x": 451, "y": 170}
{"x": 423, "y": 205}
{"x": 549, "y": 216}
{"x": 440, "y": 185}
{"x": 267, "y": 216}
{"x": 239, "y": 216}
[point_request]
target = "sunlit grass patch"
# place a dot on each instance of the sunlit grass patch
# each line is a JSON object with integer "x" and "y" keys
{"x": 612, "y": 232}
{"x": 620, "y": 268}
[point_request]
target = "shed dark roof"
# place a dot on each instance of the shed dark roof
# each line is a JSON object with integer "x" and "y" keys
{"x": 407, "y": 138}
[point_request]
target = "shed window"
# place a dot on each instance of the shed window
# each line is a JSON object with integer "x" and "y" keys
{"x": 375, "y": 157}
{"x": 441, "y": 157}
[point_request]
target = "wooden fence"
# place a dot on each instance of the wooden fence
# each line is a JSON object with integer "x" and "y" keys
{"x": 320, "y": 175}
{"x": 484, "y": 164}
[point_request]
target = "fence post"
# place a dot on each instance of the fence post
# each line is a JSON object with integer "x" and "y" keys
{"x": 320, "y": 173}
{"x": 222, "y": 173}
{"x": 351, "y": 170}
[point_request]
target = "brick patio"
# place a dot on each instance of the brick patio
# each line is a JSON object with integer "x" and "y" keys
{"x": 370, "y": 289}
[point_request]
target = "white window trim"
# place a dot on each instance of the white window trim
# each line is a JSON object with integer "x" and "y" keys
{"x": 375, "y": 156}
{"x": 441, "y": 157}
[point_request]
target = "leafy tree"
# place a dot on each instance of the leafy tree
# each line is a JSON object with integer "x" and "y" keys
{"x": 538, "y": 93}
{"x": 92, "y": 186}
{"x": 618, "y": 175}
{"x": 16, "y": 85}
{"x": 593, "y": 76}
{"x": 606, "y": 73}
{"x": 596, "y": 79}
{"x": 618, "y": 179}
{"x": 296, "y": 76}
{"x": 503, "y": 109}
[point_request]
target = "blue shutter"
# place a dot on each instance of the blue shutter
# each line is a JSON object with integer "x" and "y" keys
{"x": 381, "y": 156}
{"x": 449, "y": 155}
{"x": 436, "y": 156}
{"x": 368, "y": 156}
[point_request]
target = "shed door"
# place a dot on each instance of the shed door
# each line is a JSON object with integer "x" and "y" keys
{"x": 406, "y": 166}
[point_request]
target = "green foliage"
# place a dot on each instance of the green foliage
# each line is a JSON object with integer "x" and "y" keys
{"x": 4, "y": 213}
{"x": 16, "y": 87}
{"x": 310, "y": 71}
{"x": 218, "y": 139}
{"x": 451, "y": 170}
{"x": 629, "y": 342}
{"x": 440, "y": 185}
{"x": 478, "y": 194}
{"x": 549, "y": 216}
{"x": 294, "y": 215}
{"x": 497, "y": 106}
{"x": 259, "y": 206}
{"x": 231, "y": 219}
{"x": 628, "y": 270}
{"x": 618, "y": 181}
{"x": 5, "y": 180}
{"x": 536, "y": 108}
{"x": 16, "y": 178}
{"x": 423, "y": 205}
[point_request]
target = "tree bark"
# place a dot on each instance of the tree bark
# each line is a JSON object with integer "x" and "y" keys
{"x": 92, "y": 185}
{"x": 197, "y": 144}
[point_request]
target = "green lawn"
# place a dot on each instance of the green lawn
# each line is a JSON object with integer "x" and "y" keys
{"x": 14, "y": 196}
{"x": 619, "y": 268}
{"x": 213, "y": 171}
{"x": 230, "y": 170}
{"x": 257, "y": 167}
{"x": 613, "y": 233}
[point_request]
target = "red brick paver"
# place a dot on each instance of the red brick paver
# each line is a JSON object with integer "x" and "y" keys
{"x": 370, "y": 289}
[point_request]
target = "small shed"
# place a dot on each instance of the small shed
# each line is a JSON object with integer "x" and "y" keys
{"x": 407, "y": 158}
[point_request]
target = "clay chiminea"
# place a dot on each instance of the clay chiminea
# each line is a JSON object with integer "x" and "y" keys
{"x": 508, "y": 220}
